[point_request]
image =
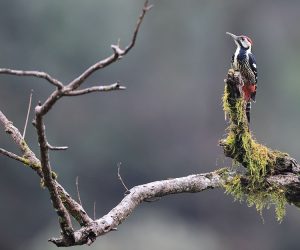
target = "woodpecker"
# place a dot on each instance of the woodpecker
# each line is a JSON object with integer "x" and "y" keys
{"x": 244, "y": 61}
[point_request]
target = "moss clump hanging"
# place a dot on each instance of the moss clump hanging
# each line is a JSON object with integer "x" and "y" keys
{"x": 258, "y": 160}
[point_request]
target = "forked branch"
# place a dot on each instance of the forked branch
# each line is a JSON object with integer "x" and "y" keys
{"x": 135, "y": 196}
{"x": 61, "y": 201}
{"x": 118, "y": 53}
{"x": 29, "y": 159}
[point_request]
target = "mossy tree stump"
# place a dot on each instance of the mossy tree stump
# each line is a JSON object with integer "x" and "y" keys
{"x": 261, "y": 164}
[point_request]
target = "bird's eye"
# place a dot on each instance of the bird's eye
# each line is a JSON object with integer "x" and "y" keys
{"x": 243, "y": 38}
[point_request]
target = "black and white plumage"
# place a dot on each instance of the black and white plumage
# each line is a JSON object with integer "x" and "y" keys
{"x": 244, "y": 61}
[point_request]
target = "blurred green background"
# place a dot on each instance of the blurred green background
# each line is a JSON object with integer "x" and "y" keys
{"x": 166, "y": 124}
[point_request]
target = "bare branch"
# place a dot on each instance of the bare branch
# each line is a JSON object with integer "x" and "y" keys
{"x": 118, "y": 53}
{"x": 120, "y": 178}
{"x": 114, "y": 86}
{"x": 139, "y": 22}
{"x": 28, "y": 112}
{"x": 13, "y": 156}
{"x": 75, "y": 209}
{"x": 37, "y": 74}
{"x": 73, "y": 85}
{"x": 138, "y": 194}
{"x": 61, "y": 200}
{"x": 77, "y": 188}
{"x": 117, "y": 50}
{"x": 64, "y": 218}
{"x": 109, "y": 222}
{"x": 52, "y": 99}
{"x": 15, "y": 134}
{"x": 56, "y": 148}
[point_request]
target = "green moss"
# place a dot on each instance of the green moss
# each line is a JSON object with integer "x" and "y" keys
{"x": 222, "y": 172}
{"x": 225, "y": 98}
{"x": 25, "y": 161}
{"x": 26, "y": 156}
{"x": 42, "y": 183}
{"x": 54, "y": 175}
{"x": 257, "y": 159}
{"x": 235, "y": 188}
{"x": 24, "y": 146}
{"x": 262, "y": 199}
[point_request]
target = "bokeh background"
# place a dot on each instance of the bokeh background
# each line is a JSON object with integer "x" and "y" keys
{"x": 166, "y": 124}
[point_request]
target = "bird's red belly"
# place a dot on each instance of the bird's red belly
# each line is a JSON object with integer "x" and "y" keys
{"x": 248, "y": 89}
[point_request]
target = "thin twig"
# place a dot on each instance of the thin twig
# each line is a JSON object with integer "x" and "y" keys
{"x": 74, "y": 84}
{"x": 37, "y": 74}
{"x": 15, "y": 134}
{"x": 77, "y": 188}
{"x": 114, "y": 86}
{"x": 121, "y": 180}
{"x": 94, "y": 210}
{"x": 117, "y": 215}
{"x": 139, "y": 22}
{"x": 56, "y": 147}
{"x": 13, "y": 156}
{"x": 118, "y": 53}
{"x": 28, "y": 112}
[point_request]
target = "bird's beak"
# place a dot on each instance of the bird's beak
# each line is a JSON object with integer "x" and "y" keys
{"x": 232, "y": 35}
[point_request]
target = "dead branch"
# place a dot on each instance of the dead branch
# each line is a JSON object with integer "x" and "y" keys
{"x": 77, "y": 189}
{"x": 12, "y": 156}
{"x": 118, "y": 53}
{"x": 27, "y": 116}
{"x": 146, "y": 8}
{"x": 37, "y": 74}
{"x": 104, "y": 88}
{"x": 61, "y": 201}
{"x": 136, "y": 195}
{"x": 30, "y": 159}
{"x": 121, "y": 179}
{"x": 142, "y": 193}
{"x": 56, "y": 148}
{"x": 15, "y": 134}
{"x": 49, "y": 182}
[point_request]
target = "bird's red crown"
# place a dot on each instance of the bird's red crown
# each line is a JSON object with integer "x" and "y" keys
{"x": 248, "y": 38}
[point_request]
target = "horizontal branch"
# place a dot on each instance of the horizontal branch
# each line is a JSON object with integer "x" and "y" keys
{"x": 111, "y": 87}
{"x": 189, "y": 184}
{"x": 136, "y": 195}
{"x": 37, "y": 74}
{"x": 56, "y": 148}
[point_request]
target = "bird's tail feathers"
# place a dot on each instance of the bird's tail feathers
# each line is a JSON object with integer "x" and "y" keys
{"x": 248, "y": 109}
